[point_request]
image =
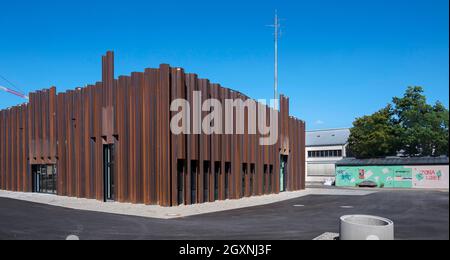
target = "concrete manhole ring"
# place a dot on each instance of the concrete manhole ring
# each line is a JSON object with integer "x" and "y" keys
{"x": 365, "y": 227}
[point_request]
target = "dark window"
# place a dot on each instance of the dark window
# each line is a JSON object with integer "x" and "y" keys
{"x": 252, "y": 178}
{"x": 325, "y": 153}
{"x": 206, "y": 169}
{"x": 270, "y": 179}
{"x": 227, "y": 179}
{"x": 216, "y": 180}
{"x": 180, "y": 181}
{"x": 283, "y": 173}
{"x": 194, "y": 172}
{"x": 264, "y": 181}
{"x": 108, "y": 168}
{"x": 244, "y": 176}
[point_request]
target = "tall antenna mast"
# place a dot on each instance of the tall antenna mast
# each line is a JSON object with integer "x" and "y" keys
{"x": 276, "y": 27}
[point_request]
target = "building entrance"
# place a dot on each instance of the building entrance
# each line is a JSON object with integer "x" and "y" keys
{"x": 108, "y": 172}
{"x": 44, "y": 179}
{"x": 283, "y": 172}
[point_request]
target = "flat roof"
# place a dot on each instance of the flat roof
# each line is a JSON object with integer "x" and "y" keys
{"x": 394, "y": 161}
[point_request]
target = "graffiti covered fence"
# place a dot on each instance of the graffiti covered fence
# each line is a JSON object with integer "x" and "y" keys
{"x": 394, "y": 176}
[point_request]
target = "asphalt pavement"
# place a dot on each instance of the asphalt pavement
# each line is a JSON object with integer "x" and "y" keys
{"x": 416, "y": 214}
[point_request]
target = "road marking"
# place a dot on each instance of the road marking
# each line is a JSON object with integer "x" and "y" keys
{"x": 72, "y": 238}
{"x": 299, "y": 205}
{"x": 173, "y": 215}
{"x": 372, "y": 237}
{"x": 347, "y": 207}
{"x": 328, "y": 236}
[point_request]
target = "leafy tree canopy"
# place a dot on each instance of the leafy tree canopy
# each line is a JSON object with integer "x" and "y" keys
{"x": 409, "y": 126}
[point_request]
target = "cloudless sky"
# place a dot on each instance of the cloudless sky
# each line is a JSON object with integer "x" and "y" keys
{"x": 338, "y": 59}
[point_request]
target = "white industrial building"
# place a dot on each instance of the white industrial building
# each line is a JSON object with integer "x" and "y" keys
{"x": 323, "y": 149}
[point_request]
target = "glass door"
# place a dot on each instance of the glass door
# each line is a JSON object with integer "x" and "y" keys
{"x": 44, "y": 179}
{"x": 283, "y": 173}
{"x": 108, "y": 171}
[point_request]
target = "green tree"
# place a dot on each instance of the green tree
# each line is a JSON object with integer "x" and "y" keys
{"x": 440, "y": 122}
{"x": 375, "y": 135}
{"x": 409, "y": 125}
{"x": 424, "y": 127}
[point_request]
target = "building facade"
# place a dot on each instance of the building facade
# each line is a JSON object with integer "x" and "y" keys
{"x": 394, "y": 172}
{"x": 112, "y": 141}
{"x": 323, "y": 149}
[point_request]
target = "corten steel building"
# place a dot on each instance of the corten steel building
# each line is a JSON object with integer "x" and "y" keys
{"x": 112, "y": 141}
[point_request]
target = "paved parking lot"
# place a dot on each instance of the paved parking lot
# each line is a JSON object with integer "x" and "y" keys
{"x": 417, "y": 215}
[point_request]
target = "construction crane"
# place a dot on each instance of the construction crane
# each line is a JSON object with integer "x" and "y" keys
{"x": 11, "y": 91}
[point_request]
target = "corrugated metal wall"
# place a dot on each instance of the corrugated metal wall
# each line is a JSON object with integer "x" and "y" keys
{"x": 133, "y": 113}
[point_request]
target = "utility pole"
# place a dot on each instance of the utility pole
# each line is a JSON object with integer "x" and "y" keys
{"x": 276, "y": 27}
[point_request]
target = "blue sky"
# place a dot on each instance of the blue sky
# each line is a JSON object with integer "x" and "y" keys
{"x": 338, "y": 59}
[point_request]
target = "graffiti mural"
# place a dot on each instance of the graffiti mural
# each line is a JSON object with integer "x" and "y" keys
{"x": 383, "y": 176}
{"x": 435, "y": 177}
